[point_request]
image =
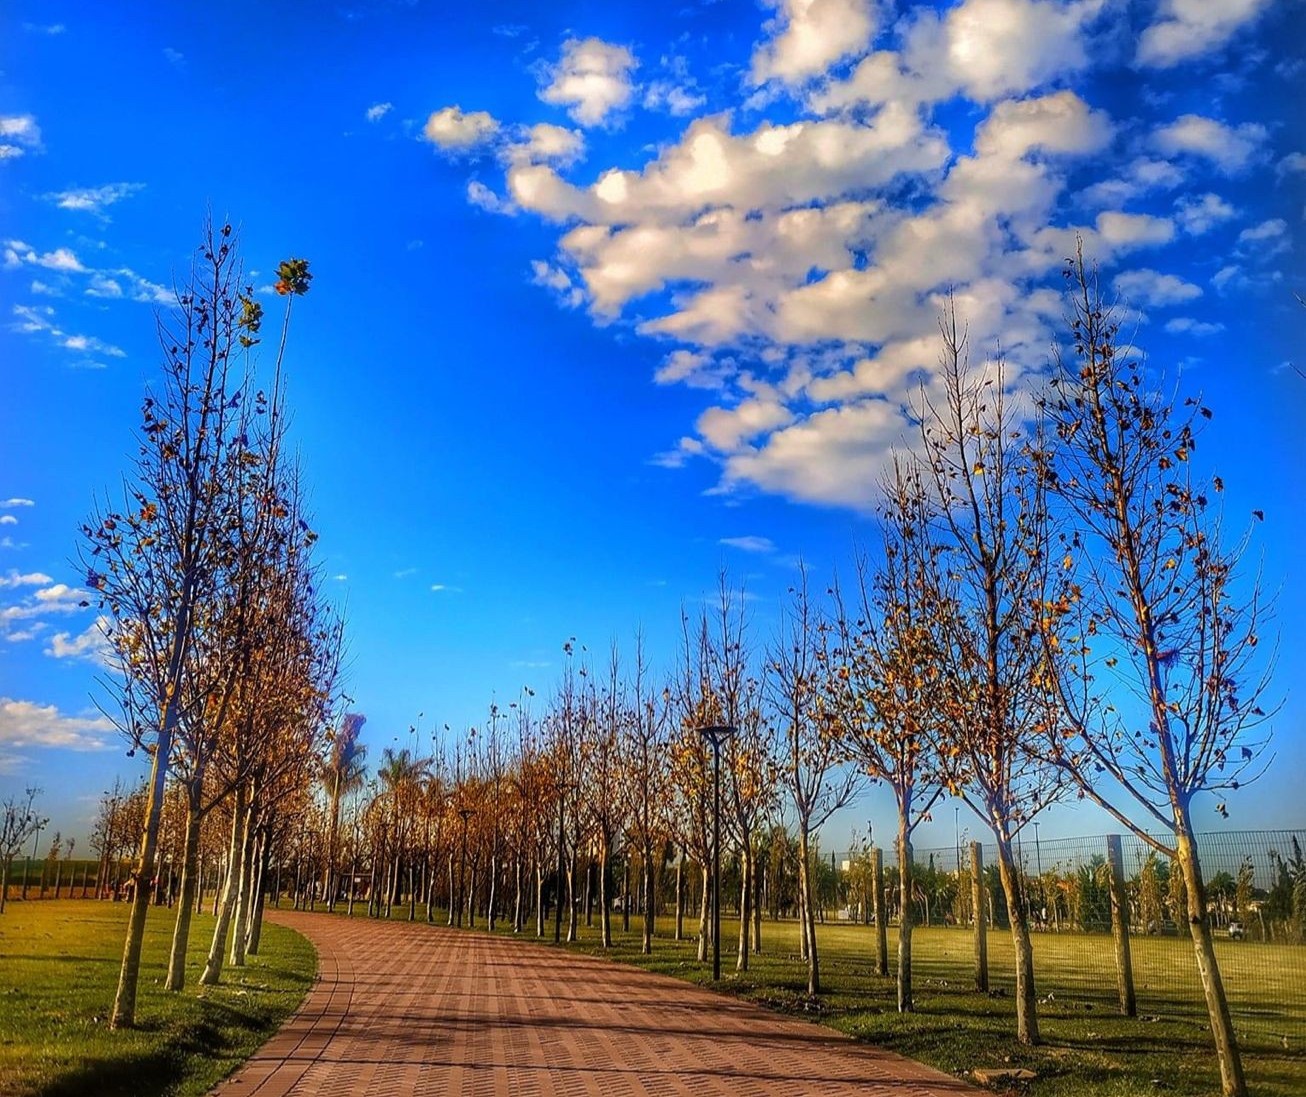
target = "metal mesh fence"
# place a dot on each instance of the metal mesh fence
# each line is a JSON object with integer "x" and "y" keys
{"x": 1256, "y": 897}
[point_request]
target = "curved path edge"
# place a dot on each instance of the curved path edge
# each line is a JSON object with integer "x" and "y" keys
{"x": 410, "y": 1010}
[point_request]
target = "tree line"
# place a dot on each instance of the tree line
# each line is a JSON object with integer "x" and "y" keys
{"x": 1053, "y": 610}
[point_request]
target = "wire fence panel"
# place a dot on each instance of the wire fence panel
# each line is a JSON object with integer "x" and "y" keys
{"x": 1256, "y": 898}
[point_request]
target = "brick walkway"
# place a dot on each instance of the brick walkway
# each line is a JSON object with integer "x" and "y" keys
{"x": 402, "y": 1010}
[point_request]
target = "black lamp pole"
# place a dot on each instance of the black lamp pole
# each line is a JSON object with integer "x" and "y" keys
{"x": 716, "y": 735}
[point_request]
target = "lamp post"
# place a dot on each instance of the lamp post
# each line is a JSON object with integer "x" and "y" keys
{"x": 716, "y": 734}
{"x": 464, "y": 814}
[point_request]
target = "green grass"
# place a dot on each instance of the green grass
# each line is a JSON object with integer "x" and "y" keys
{"x": 58, "y": 973}
{"x": 1088, "y": 1049}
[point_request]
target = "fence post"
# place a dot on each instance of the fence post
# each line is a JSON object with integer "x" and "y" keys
{"x": 981, "y": 930}
{"x": 1120, "y": 927}
{"x": 881, "y": 929}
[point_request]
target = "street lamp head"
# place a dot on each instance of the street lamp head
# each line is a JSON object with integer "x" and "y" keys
{"x": 716, "y": 734}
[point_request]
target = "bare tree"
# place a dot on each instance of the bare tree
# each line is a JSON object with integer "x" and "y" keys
{"x": 155, "y": 559}
{"x": 19, "y": 821}
{"x": 886, "y": 677}
{"x": 809, "y": 757}
{"x": 992, "y": 518}
{"x": 1152, "y": 595}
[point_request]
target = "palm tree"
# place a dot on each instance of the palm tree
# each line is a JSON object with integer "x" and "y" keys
{"x": 343, "y": 772}
{"x": 402, "y": 775}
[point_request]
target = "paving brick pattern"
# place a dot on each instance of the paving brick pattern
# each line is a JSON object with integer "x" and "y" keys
{"x": 405, "y": 1010}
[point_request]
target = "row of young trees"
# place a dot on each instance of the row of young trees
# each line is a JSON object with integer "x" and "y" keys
{"x": 1054, "y": 612}
{"x": 224, "y": 656}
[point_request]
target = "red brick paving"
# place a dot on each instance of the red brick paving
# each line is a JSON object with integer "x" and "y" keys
{"x": 411, "y": 1010}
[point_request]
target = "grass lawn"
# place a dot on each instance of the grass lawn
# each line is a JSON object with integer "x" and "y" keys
{"x": 1088, "y": 1050}
{"x": 58, "y": 973}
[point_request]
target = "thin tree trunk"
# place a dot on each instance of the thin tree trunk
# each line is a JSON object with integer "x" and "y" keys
{"x": 605, "y": 900}
{"x": 704, "y": 922}
{"x": 255, "y": 932}
{"x": 745, "y": 901}
{"x": 1026, "y": 1002}
{"x": 124, "y": 1002}
{"x": 213, "y": 965}
{"x": 680, "y": 896}
{"x": 650, "y": 907}
{"x": 244, "y": 883}
{"x": 1232, "y": 1080}
{"x": 176, "y": 978}
{"x": 808, "y": 912}
{"x": 905, "y": 917}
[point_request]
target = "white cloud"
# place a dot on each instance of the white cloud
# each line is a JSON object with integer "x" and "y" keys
{"x": 94, "y": 200}
{"x": 61, "y": 259}
{"x": 1293, "y": 162}
{"x": 808, "y": 36}
{"x": 27, "y": 724}
{"x": 1198, "y": 214}
{"x": 92, "y": 644}
{"x": 592, "y": 79}
{"x": 984, "y": 49}
{"x": 1265, "y": 231}
{"x": 545, "y": 143}
{"x": 9, "y": 504}
{"x": 478, "y": 194}
{"x": 451, "y": 129}
{"x": 677, "y": 100}
{"x": 1188, "y": 28}
{"x": 377, "y": 111}
{"x": 7, "y": 520}
{"x": 19, "y": 134}
{"x": 749, "y": 543}
{"x": 445, "y": 588}
{"x": 1230, "y": 148}
{"x": 44, "y": 28}
{"x": 20, "y": 579}
{"x": 1186, "y": 325}
{"x": 1144, "y": 288}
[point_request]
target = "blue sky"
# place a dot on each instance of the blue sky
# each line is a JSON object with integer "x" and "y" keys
{"x": 608, "y": 297}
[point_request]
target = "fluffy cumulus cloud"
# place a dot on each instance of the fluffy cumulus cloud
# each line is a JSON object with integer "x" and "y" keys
{"x": 794, "y": 254}
{"x": 1148, "y": 288}
{"x": 1231, "y": 148}
{"x": 91, "y": 644}
{"x": 808, "y": 36}
{"x": 451, "y": 128}
{"x": 592, "y": 79}
{"x": 28, "y": 724}
{"x": 983, "y": 49}
{"x": 1189, "y": 28}
{"x": 19, "y": 135}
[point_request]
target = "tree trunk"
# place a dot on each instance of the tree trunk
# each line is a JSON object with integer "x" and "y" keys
{"x": 905, "y": 917}
{"x": 517, "y": 899}
{"x": 539, "y": 898}
{"x": 704, "y": 922}
{"x": 1232, "y": 1081}
{"x": 680, "y": 896}
{"x": 605, "y": 901}
{"x": 176, "y": 978}
{"x": 213, "y": 965}
{"x": 245, "y": 883}
{"x": 805, "y": 892}
{"x": 255, "y": 933}
{"x": 759, "y": 875}
{"x": 1026, "y": 1002}
{"x": 124, "y": 1002}
{"x": 650, "y": 907}
{"x": 490, "y": 913}
{"x": 745, "y": 902}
